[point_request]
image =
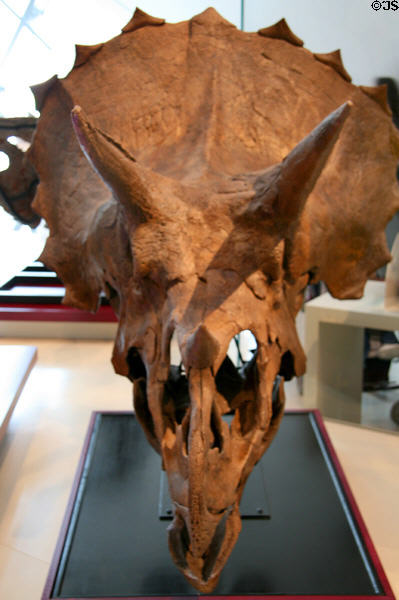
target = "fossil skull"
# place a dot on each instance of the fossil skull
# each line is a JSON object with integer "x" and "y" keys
{"x": 220, "y": 271}
{"x": 220, "y": 185}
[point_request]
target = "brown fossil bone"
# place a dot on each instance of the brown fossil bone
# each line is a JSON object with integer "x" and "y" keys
{"x": 230, "y": 169}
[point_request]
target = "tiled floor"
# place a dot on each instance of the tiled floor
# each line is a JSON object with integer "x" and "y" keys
{"x": 40, "y": 451}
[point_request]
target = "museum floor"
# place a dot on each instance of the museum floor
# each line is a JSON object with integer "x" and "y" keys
{"x": 40, "y": 451}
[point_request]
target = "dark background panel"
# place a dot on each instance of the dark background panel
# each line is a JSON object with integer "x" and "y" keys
{"x": 118, "y": 544}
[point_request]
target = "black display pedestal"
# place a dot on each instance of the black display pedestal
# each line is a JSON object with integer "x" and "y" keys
{"x": 114, "y": 545}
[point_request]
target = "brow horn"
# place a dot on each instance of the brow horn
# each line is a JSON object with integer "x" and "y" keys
{"x": 118, "y": 168}
{"x": 287, "y": 186}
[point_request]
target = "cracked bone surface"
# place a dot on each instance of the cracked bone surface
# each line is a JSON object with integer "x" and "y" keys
{"x": 221, "y": 172}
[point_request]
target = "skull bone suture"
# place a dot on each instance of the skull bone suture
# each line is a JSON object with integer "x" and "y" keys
{"x": 217, "y": 186}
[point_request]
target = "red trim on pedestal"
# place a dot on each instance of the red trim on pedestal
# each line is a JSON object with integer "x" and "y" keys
{"x": 54, "y": 313}
{"x": 387, "y": 595}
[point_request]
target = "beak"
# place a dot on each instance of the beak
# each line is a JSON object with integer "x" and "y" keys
{"x": 203, "y": 570}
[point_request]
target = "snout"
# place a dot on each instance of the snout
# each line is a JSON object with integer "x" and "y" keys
{"x": 202, "y": 563}
{"x": 206, "y": 522}
{"x": 218, "y": 417}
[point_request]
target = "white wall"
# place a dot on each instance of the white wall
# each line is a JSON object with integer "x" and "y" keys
{"x": 180, "y": 10}
{"x": 368, "y": 39}
{"x": 68, "y": 22}
{"x": 63, "y": 23}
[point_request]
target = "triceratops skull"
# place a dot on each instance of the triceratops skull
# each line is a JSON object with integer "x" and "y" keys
{"x": 203, "y": 230}
{"x": 209, "y": 262}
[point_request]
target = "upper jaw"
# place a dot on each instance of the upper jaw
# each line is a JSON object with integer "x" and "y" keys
{"x": 206, "y": 459}
{"x": 203, "y": 570}
{"x": 207, "y": 522}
